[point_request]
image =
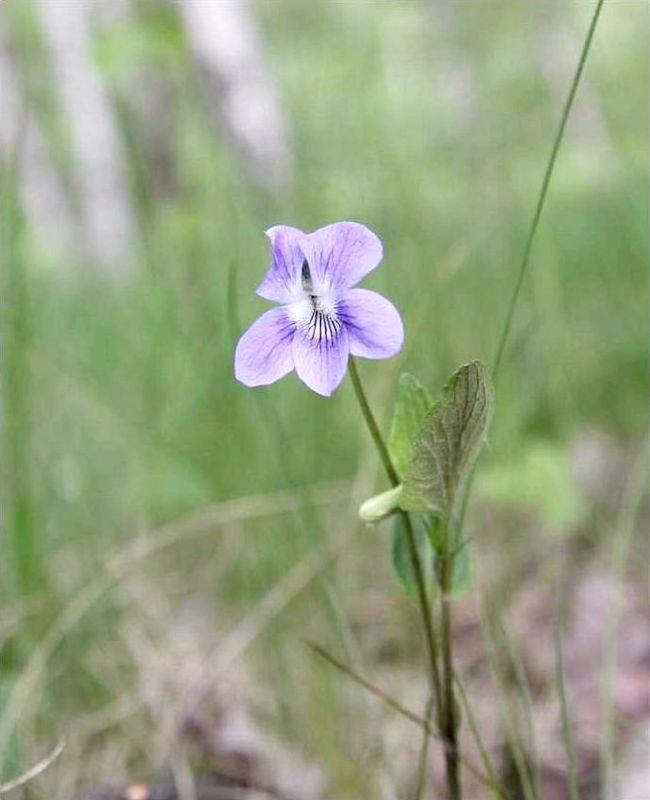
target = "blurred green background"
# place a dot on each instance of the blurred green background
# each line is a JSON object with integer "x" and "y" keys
{"x": 430, "y": 123}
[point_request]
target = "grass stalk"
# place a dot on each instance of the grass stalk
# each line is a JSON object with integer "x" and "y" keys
{"x": 488, "y": 766}
{"x": 26, "y": 575}
{"x": 621, "y": 543}
{"x": 395, "y": 705}
{"x": 523, "y": 684}
{"x": 421, "y": 784}
{"x": 523, "y": 266}
{"x": 510, "y": 719}
{"x": 558, "y": 632}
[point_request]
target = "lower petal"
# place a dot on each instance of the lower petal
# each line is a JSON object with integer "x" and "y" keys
{"x": 374, "y": 325}
{"x": 264, "y": 353}
{"x": 321, "y": 362}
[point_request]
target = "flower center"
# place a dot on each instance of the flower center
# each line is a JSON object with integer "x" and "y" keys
{"x": 317, "y": 312}
{"x": 322, "y": 324}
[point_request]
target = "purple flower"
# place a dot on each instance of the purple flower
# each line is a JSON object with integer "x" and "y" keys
{"x": 323, "y": 318}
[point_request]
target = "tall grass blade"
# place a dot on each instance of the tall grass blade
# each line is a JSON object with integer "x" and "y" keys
{"x": 33, "y": 772}
{"x": 423, "y": 761}
{"x": 201, "y": 523}
{"x": 523, "y": 684}
{"x": 567, "y": 738}
{"x": 508, "y": 715}
{"x": 398, "y": 707}
{"x": 621, "y": 542}
{"x": 26, "y": 575}
{"x": 523, "y": 267}
{"x": 488, "y": 766}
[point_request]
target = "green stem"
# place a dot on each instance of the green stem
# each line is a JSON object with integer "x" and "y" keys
{"x": 377, "y": 438}
{"x": 542, "y": 195}
{"x": 391, "y": 472}
{"x": 449, "y": 721}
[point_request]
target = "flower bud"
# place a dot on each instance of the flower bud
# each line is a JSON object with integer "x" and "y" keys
{"x": 381, "y": 505}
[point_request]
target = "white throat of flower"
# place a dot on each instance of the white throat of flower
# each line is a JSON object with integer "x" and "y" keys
{"x": 315, "y": 311}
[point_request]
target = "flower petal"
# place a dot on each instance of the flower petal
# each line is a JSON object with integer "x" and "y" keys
{"x": 282, "y": 280}
{"x": 374, "y": 325}
{"x": 264, "y": 352}
{"x": 321, "y": 362}
{"x": 340, "y": 255}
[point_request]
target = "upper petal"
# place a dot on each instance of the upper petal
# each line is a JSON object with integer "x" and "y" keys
{"x": 340, "y": 255}
{"x": 264, "y": 353}
{"x": 374, "y": 325}
{"x": 282, "y": 280}
{"x": 321, "y": 362}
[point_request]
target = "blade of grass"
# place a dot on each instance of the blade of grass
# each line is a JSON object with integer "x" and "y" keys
{"x": 395, "y": 705}
{"x": 116, "y": 568}
{"x": 510, "y": 719}
{"x": 488, "y": 766}
{"x": 354, "y": 655}
{"x": 27, "y": 576}
{"x": 232, "y": 643}
{"x": 558, "y": 632}
{"x": 523, "y": 685}
{"x": 34, "y": 772}
{"x": 523, "y": 267}
{"x": 621, "y": 542}
{"x": 421, "y": 784}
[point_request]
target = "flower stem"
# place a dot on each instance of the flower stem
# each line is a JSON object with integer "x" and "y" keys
{"x": 523, "y": 267}
{"x": 377, "y": 438}
{"x": 391, "y": 472}
{"x": 449, "y": 720}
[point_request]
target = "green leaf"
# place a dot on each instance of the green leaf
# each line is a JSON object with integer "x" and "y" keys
{"x": 449, "y": 442}
{"x": 401, "y": 555}
{"x": 461, "y": 579}
{"x": 411, "y": 405}
{"x": 422, "y": 528}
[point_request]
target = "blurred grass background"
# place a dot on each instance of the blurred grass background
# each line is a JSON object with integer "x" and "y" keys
{"x": 432, "y": 125}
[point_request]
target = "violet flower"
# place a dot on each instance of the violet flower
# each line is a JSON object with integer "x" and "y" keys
{"x": 323, "y": 319}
